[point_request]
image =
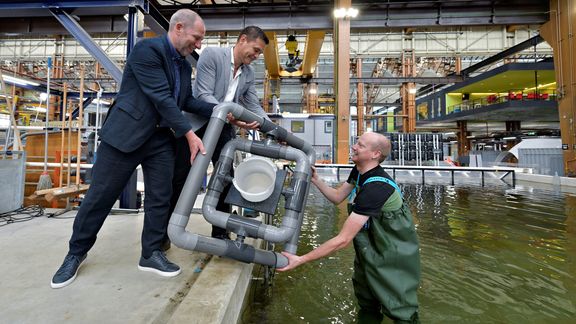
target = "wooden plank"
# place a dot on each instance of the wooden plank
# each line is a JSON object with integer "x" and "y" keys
{"x": 62, "y": 192}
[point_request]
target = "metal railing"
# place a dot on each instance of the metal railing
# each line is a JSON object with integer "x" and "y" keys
{"x": 506, "y": 171}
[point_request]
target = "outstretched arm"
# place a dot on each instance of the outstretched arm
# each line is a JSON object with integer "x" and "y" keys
{"x": 351, "y": 227}
{"x": 335, "y": 195}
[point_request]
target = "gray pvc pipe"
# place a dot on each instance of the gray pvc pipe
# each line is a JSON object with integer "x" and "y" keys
{"x": 181, "y": 215}
{"x": 294, "y": 202}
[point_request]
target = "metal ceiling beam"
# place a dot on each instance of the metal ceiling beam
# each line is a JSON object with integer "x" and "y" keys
{"x": 315, "y": 15}
{"x": 492, "y": 59}
{"x": 373, "y": 14}
{"x": 504, "y": 54}
{"x": 71, "y": 4}
{"x": 49, "y": 26}
{"x": 393, "y": 81}
{"x": 155, "y": 20}
{"x": 88, "y": 43}
{"x": 132, "y": 32}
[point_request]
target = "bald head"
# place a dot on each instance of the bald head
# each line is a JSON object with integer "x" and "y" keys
{"x": 379, "y": 142}
{"x": 186, "y": 17}
{"x": 186, "y": 31}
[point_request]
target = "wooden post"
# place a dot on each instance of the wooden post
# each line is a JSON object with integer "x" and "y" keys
{"x": 80, "y": 122}
{"x": 342, "y": 83}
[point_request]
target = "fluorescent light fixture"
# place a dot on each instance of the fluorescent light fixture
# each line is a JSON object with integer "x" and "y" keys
{"x": 102, "y": 102}
{"x": 295, "y": 115}
{"x": 511, "y": 138}
{"x": 20, "y": 81}
{"x": 38, "y": 109}
{"x": 345, "y": 13}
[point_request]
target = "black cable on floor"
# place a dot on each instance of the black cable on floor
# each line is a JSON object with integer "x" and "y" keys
{"x": 22, "y": 214}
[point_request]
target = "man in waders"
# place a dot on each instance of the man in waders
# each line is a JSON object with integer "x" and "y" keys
{"x": 387, "y": 263}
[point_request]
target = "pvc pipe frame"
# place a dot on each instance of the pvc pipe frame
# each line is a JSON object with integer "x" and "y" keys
{"x": 291, "y": 222}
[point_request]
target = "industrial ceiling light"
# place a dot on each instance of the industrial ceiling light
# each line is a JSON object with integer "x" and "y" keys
{"x": 20, "y": 81}
{"x": 345, "y": 13}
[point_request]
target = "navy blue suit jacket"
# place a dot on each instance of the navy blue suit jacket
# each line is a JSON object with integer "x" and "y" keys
{"x": 145, "y": 99}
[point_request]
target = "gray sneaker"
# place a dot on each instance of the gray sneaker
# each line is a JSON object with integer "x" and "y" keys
{"x": 67, "y": 271}
{"x": 159, "y": 264}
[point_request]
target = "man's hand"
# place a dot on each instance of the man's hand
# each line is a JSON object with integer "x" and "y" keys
{"x": 314, "y": 175}
{"x": 293, "y": 262}
{"x": 195, "y": 145}
{"x": 241, "y": 124}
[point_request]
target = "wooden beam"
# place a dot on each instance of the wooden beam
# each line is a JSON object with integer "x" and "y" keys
{"x": 342, "y": 83}
{"x": 463, "y": 141}
{"x": 558, "y": 33}
{"x": 360, "y": 98}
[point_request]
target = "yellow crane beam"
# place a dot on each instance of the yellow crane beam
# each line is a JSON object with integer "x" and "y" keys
{"x": 314, "y": 40}
{"x": 271, "y": 59}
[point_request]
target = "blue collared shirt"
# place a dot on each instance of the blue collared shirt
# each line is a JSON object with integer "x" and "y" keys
{"x": 178, "y": 61}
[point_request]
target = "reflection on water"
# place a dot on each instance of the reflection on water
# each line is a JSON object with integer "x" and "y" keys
{"x": 489, "y": 255}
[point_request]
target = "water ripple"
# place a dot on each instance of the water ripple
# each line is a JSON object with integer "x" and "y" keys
{"x": 489, "y": 255}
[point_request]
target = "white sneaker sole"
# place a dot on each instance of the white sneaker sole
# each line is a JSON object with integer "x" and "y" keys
{"x": 158, "y": 272}
{"x": 69, "y": 281}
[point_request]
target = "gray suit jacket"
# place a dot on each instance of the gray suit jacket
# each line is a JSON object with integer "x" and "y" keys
{"x": 212, "y": 80}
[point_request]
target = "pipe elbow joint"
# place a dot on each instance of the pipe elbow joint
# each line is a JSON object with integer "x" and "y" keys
{"x": 176, "y": 234}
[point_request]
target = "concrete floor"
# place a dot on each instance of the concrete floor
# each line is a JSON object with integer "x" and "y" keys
{"x": 109, "y": 287}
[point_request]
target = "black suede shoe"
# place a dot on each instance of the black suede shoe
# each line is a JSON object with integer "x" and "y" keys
{"x": 67, "y": 271}
{"x": 159, "y": 264}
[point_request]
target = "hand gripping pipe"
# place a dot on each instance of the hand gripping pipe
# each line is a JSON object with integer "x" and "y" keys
{"x": 291, "y": 223}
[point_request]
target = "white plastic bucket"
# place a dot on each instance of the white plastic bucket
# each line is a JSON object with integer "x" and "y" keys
{"x": 254, "y": 178}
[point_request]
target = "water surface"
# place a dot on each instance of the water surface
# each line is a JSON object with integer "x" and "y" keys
{"x": 489, "y": 255}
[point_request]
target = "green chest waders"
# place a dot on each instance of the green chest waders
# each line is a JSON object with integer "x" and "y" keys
{"x": 387, "y": 263}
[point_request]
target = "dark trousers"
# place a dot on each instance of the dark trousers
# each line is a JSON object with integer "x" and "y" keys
{"x": 110, "y": 173}
{"x": 182, "y": 168}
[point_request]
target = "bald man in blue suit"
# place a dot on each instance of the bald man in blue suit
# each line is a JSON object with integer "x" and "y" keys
{"x": 140, "y": 129}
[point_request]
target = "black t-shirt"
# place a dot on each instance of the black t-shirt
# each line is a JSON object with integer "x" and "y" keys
{"x": 371, "y": 196}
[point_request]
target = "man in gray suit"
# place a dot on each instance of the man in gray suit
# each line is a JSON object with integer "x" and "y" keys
{"x": 223, "y": 74}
